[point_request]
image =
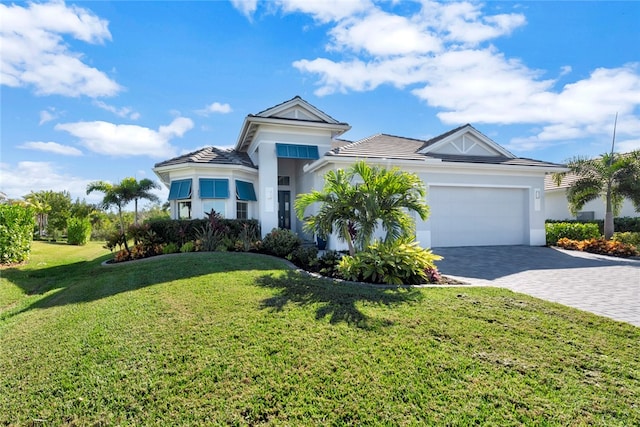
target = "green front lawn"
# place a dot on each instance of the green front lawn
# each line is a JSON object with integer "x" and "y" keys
{"x": 233, "y": 338}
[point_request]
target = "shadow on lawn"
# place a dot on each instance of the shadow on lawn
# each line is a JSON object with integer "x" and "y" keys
{"x": 88, "y": 281}
{"x": 337, "y": 302}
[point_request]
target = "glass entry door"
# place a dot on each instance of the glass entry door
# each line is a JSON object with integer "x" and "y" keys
{"x": 284, "y": 209}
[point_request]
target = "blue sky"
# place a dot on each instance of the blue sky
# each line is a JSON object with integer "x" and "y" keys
{"x": 104, "y": 90}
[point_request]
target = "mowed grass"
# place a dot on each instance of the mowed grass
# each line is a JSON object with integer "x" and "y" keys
{"x": 238, "y": 339}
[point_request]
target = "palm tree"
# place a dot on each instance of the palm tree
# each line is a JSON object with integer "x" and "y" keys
{"x": 355, "y": 202}
{"x": 613, "y": 177}
{"x": 136, "y": 190}
{"x": 337, "y": 210}
{"x": 41, "y": 208}
{"x": 385, "y": 197}
{"x": 114, "y": 195}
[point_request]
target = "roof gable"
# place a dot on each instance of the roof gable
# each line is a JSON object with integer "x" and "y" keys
{"x": 296, "y": 109}
{"x": 464, "y": 141}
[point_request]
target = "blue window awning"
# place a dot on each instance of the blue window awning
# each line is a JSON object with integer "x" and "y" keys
{"x": 245, "y": 191}
{"x": 214, "y": 188}
{"x": 296, "y": 151}
{"x": 180, "y": 189}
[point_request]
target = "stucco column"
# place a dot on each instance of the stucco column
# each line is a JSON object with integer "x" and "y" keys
{"x": 268, "y": 187}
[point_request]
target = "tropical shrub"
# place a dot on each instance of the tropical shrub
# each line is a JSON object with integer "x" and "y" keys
{"x": 393, "y": 263}
{"x": 630, "y": 238}
{"x": 304, "y": 256}
{"x": 599, "y": 246}
{"x": 170, "y": 248}
{"x": 570, "y": 230}
{"x": 248, "y": 238}
{"x": 327, "y": 264}
{"x": 180, "y": 231}
{"x": 280, "y": 242}
{"x": 627, "y": 224}
{"x": 78, "y": 231}
{"x": 16, "y": 233}
{"x": 188, "y": 247}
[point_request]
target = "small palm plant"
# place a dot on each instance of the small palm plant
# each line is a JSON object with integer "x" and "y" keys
{"x": 612, "y": 176}
{"x": 355, "y": 202}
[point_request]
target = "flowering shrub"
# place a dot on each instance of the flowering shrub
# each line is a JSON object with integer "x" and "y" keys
{"x": 599, "y": 246}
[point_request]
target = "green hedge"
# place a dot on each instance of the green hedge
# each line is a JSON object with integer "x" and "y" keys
{"x": 16, "y": 233}
{"x": 78, "y": 231}
{"x": 622, "y": 224}
{"x": 180, "y": 231}
{"x": 571, "y": 230}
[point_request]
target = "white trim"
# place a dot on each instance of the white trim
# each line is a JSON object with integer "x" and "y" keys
{"x": 465, "y": 130}
{"x": 439, "y": 184}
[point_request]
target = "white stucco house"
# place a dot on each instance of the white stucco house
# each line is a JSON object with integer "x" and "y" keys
{"x": 478, "y": 192}
{"x": 557, "y": 206}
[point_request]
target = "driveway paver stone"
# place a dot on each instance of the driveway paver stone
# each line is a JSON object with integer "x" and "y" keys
{"x": 603, "y": 285}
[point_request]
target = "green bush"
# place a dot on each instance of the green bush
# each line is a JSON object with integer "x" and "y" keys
{"x": 78, "y": 231}
{"x": 304, "y": 256}
{"x": 570, "y": 230}
{"x": 628, "y": 237}
{"x": 627, "y": 224}
{"x": 188, "y": 247}
{"x": 327, "y": 264}
{"x": 394, "y": 263}
{"x": 180, "y": 231}
{"x": 170, "y": 248}
{"x": 280, "y": 242}
{"x": 16, "y": 233}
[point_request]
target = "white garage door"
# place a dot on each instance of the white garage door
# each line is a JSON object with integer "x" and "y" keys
{"x": 476, "y": 216}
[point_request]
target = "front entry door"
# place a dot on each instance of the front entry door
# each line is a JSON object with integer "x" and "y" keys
{"x": 284, "y": 209}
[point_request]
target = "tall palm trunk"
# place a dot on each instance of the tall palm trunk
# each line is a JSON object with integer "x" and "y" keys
{"x": 608, "y": 216}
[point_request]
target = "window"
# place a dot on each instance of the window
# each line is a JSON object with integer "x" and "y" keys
{"x": 184, "y": 210}
{"x": 180, "y": 189}
{"x": 220, "y": 206}
{"x": 586, "y": 216}
{"x": 242, "y": 210}
{"x": 214, "y": 188}
{"x": 284, "y": 180}
{"x": 245, "y": 191}
{"x": 295, "y": 151}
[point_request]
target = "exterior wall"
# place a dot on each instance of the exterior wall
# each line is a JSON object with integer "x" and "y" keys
{"x": 195, "y": 173}
{"x": 263, "y": 153}
{"x": 557, "y": 207}
{"x": 530, "y": 183}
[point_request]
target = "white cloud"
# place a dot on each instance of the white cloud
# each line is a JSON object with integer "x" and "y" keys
{"x": 628, "y": 145}
{"x": 20, "y": 180}
{"x": 34, "y": 53}
{"x": 381, "y": 33}
{"x": 52, "y": 147}
{"x": 215, "y": 107}
{"x": 247, "y": 7}
{"x": 125, "y": 112}
{"x": 47, "y": 116}
{"x": 442, "y": 54}
{"x": 128, "y": 140}
{"x": 326, "y": 10}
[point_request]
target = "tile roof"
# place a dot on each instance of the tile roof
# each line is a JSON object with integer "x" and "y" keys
{"x": 384, "y": 146}
{"x": 211, "y": 155}
{"x": 567, "y": 181}
{"x": 259, "y": 114}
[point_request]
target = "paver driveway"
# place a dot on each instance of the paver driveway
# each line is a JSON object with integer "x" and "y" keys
{"x": 600, "y": 284}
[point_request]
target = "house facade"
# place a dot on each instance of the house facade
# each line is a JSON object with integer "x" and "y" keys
{"x": 557, "y": 206}
{"x": 478, "y": 192}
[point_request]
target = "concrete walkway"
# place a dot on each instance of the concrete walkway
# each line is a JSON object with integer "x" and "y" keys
{"x": 603, "y": 285}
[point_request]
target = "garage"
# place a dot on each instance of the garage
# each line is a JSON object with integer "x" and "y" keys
{"x": 478, "y": 216}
